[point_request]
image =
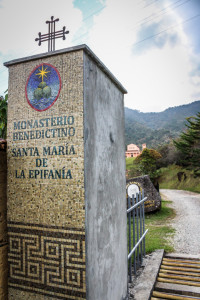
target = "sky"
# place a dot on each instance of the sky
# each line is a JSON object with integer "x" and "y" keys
{"x": 151, "y": 46}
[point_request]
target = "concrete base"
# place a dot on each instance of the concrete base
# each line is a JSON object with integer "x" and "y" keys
{"x": 145, "y": 282}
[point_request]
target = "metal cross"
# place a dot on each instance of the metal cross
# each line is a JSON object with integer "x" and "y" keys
{"x": 52, "y": 34}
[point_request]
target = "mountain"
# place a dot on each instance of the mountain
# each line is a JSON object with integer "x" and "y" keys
{"x": 156, "y": 128}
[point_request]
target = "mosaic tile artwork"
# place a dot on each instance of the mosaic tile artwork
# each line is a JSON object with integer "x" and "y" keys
{"x": 47, "y": 260}
{"x": 46, "y": 208}
{"x": 43, "y": 87}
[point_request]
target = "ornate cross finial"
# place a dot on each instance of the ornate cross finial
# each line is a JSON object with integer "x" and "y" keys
{"x": 52, "y": 34}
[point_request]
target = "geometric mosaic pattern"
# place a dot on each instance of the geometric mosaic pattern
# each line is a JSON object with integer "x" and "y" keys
{"x": 47, "y": 260}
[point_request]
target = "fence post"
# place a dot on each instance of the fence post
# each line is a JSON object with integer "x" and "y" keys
{"x": 137, "y": 229}
{"x": 140, "y": 226}
{"x": 129, "y": 239}
{"x": 144, "y": 247}
{"x": 134, "y": 256}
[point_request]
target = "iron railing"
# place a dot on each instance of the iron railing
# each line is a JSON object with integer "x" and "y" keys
{"x": 136, "y": 232}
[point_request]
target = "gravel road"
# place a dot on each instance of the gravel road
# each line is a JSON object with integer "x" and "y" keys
{"x": 187, "y": 220}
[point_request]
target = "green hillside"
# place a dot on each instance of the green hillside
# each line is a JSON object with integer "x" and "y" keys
{"x": 169, "y": 179}
{"x": 157, "y": 128}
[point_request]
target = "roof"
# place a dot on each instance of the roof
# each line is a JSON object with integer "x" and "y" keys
{"x": 135, "y": 147}
{"x": 83, "y": 47}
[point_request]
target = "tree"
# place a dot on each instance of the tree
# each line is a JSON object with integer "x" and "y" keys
{"x": 170, "y": 155}
{"x": 3, "y": 115}
{"x": 146, "y": 162}
{"x": 189, "y": 144}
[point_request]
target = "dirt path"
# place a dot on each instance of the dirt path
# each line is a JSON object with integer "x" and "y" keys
{"x": 187, "y": 220}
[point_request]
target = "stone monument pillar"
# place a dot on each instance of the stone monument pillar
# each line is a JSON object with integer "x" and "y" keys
{"x": 66, "y": 178}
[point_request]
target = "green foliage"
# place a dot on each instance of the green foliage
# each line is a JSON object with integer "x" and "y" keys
{"x": 189, "y": 144}
{"x": 3, "y": 115}
{"x": 145, "y": 163}
{"x": 170, "y": 155}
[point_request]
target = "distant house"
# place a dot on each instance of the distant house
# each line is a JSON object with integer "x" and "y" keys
{"x": 133, "y": 150}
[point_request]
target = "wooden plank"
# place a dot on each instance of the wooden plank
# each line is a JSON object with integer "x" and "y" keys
{"x": 180, "y": 269}
{"x": 181, "y": 260}
{"x": 178, "y": 282}
{"x": 178, "y": 277}
{"x": 183, "y": 256}
{"x": 180, "y": 273}
{"x": 170, "y": 296}
{"x": 180, "y": 265}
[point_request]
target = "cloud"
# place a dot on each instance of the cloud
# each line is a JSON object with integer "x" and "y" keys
{"x": 152, "y": 35}
{"x": 20, "y": 22}
{"x": 88, "y": 13}
{"x": 156, "y": 78}
{"x": 162, "y": 72}
{"x": 195, "y": 72}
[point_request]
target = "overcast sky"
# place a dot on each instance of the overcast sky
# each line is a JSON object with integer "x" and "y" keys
{"x": 151, "y": 46}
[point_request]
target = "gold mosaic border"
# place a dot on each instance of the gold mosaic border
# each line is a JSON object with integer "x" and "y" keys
{"x": 47, "y": 260}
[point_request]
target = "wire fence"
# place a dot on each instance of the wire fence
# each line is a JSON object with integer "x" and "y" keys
{"x": 136, "y": 232}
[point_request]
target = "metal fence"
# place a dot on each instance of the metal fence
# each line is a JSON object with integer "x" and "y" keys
{"x": 136, "y": 232}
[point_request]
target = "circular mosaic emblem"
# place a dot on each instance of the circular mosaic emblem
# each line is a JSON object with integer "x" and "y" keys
{"x": 133, "y": 188}
{"x": 43, "y": 87}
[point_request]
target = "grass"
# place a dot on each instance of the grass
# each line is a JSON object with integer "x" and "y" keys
{"x": 169, "y": 179}
{"x": 157, "y": 239}
{"x": 129, "y": 163}
{"x": 160, "y": 232}
{"x": 159, "y": 229}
